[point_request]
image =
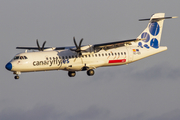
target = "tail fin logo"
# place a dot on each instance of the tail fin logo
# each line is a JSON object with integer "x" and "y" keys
{"x": 145, "y": 35}
{"x": 154, "y": 28}
{"x": 150, "y": 35}
{"x": 154, "y": 43}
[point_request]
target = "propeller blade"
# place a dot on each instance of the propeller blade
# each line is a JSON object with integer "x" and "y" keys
{"x": 75, "y": 42}
{"x": 74, "y": 59}
{"x": 80, "y": 43}
{"x": 39, "y": 48}
{"x": 78, "y": 48}
{"x": 43, "y": 45}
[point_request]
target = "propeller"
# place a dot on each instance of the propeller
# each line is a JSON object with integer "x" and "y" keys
{"x": 40, "y": 48}
{"x": 78, "y": 48}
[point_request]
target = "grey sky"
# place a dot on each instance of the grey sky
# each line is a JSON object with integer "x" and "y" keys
{"x": 144, "y": 90}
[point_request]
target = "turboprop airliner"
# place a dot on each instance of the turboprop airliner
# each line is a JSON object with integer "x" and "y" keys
{"x": 89, "y": 57}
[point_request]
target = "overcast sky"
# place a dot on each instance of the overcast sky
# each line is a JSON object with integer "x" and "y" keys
{"x": 144, "y": 90}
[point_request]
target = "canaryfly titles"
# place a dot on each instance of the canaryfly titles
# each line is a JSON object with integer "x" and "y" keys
{"x": 57, "y": 62}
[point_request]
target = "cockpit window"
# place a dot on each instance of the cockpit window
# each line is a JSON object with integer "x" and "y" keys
{"x": 25, "y": 57}
{"x": 20, "y": 57}
{"x": 16, "y": 57}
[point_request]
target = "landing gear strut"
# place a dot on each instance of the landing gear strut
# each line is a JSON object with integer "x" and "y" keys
{"x": 71, "y": 73}
{"x": 90, "y": 72}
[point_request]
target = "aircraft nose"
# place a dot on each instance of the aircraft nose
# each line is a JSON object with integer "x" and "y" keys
{"x": 8, "y": 66}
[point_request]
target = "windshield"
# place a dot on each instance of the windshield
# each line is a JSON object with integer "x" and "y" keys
{"x": 20, "y": 57}
{"x": 16, "y": 57}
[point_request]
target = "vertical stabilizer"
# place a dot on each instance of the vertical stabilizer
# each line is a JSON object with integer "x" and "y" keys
{"x": 153, "y": 31}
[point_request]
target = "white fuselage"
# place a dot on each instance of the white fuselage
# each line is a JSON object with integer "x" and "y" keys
{"x": 71, "y": 61}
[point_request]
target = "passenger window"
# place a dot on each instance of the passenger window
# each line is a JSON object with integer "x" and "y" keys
{"x": 115, "y": 53}
{"x": 56, "y": 57}
{"x": 72, "y": 56}
{"x": 109, "y": 54}
{"x": 124, "y": 53}
{"x": 106, "y": 54}
{"x": 96, "y": 55}
{"x": 89, "y": 55}
{"x": 53, "y": 57}
{"x": 75, "y": 56}
{"x": 121, "y": 53}
{"x": 102, "y": 54}
{"x": 112, "y": 54}
{"x": 66, "y": 57}
{"x": 118, "y": 53}
{"x": 62, "y": 57}
{"x": 85, "y": 55}
{"x": 99, "y": 55}
{"x": 69, "y": 57}
{"x": 59, "y": 57}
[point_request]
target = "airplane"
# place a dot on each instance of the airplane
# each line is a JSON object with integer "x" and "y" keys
{"x": 89, "y": 57}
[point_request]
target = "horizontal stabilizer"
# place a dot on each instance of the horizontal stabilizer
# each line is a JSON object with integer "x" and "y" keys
{"x": 157, "y": 19}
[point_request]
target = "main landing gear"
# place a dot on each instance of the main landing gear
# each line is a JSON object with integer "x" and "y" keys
{"x": 89, "y": 73}
{"x": 71, "y": 73}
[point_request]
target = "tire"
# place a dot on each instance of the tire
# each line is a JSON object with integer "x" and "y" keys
{"x": 16, "y": 77}
{"x": 90, "y": 72}
{"x": 71, "y": 73}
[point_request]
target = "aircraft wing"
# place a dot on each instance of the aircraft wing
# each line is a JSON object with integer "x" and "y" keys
{"x": 116, "y": 44}
{"x": 97, "y": 47}
{"x": 36, "y": 48}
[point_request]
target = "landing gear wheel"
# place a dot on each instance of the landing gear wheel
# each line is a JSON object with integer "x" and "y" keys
{"x": 90, "y": 72}
{"x": 71, "y": 73}
{"x": 16, "y": 77}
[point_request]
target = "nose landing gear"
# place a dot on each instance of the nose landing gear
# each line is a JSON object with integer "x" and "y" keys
{"x": 17, "y": 75}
